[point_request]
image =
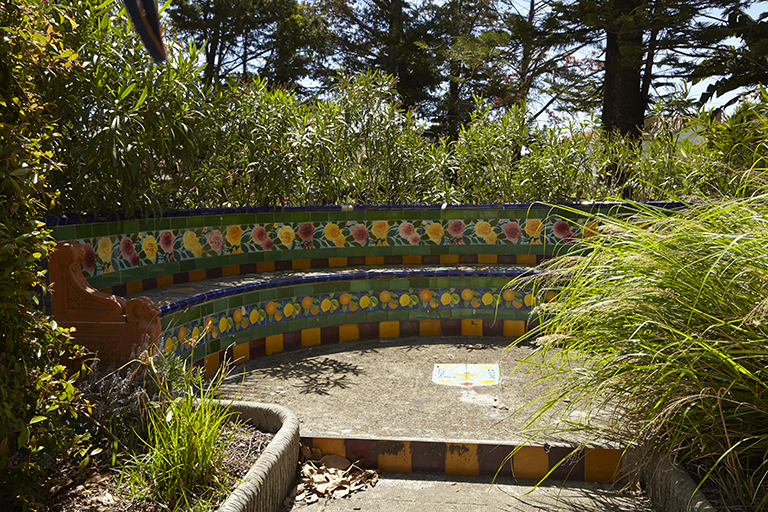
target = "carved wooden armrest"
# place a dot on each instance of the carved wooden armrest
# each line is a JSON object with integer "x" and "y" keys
{"x": 102, "y": 322}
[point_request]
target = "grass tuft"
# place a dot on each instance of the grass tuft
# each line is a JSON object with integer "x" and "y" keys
{"x": 661, "y": 320}
{"x": 182, "y": 464}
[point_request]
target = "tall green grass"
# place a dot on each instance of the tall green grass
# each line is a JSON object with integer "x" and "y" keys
{"x": 181, "y": 466}
{"x": 662, "y": 320}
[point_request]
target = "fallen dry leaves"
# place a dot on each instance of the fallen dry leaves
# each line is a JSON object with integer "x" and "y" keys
{"x": 328, "y": 477}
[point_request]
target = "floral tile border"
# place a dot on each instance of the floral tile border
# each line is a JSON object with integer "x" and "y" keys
{"x": 123, "y": 251}
{"x": 180, "y": 339}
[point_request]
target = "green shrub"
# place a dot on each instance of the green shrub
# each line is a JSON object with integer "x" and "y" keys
{"x": 36, "y": 393}
{"x": 128, "y": 127}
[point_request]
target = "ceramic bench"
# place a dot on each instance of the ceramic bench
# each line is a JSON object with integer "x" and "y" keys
{"x": 240, "y": 283}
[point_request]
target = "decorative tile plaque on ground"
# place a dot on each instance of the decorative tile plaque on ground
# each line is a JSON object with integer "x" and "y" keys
{"x": 466, "y": 375}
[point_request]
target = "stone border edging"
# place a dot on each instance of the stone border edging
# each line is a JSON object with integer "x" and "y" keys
{"x": 671, "y": 489}
{"x": 268, "y": 482}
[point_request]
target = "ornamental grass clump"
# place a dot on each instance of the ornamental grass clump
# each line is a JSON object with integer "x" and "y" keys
{"x": 185, "y": 447}
{"x": 662, "y": 320}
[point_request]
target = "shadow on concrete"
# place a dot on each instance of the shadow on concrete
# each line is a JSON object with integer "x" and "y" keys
{"x": 315, "y": 376}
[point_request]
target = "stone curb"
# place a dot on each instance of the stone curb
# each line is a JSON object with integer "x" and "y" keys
{"x": 671, "y": 489}
{"x": 268, "y": 482}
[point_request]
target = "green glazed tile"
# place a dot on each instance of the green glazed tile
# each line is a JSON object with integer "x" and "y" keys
{"x": 397, "y": 314}
{"x": 220, "y": 305}
{"x": 376, "y": 316}
{"x": 266, "y": 295}
{"x": 319, "y": 288}
{"x": 395, "y": 284}
{"x": 265, "y": 218}
{"x": 302, "y": 290}
{"x": 162, "y": 224}
{"x": 342, "y": 216}
{"x": 105, "y": 229}
{"x": 131, "y": 226}
{"x": 452, "y": 214}
{"x": 321, "y": 217}
{"x": 251, "y": 297}
{"x": 284, "y": 293}
{"x": 197, "y": 222}
{"x": 179, "y": 223}
{"x": 419, "y": 314}
{"x": 66, "y": 233}
{"x": 199, "y": 352}
{"x": 491, "y": 214}
{"x": 246, "y": 219}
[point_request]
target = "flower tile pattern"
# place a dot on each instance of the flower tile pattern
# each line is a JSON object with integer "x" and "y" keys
{"x": 182, "y": 338}
{"x": 118, "y": 252}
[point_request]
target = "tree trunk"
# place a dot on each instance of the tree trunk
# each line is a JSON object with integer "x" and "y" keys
{"x": 623, "y": 105}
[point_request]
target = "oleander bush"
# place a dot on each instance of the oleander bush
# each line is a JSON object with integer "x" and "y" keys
{"x": 137, "y": 136}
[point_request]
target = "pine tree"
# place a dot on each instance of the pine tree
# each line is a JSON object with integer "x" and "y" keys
{"x": 647, "y": 43}
{"x": 737, "y": 66}
{"x": 280, "y": 40}
{"x": 391, "y": 36}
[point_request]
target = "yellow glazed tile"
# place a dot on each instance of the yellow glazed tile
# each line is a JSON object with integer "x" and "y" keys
{"x": 134, "y": 287}
{"x": 349, "y": 332}
{"x": 241, "y": 353}
{"x": 274, "y": 344}
{"x": 374, "y": 260}
{"x": 530, "y": 462}
{"x": 197, "y": 275}
{"x": 602, "y": 465}
{"x": 399, "y": 462}
{"x": 301, "y": 264}
{"x": 429, "y": 327}
{"x": 310, "y": 337}
{"x": 471, "y": 327}
{"x": 411, "y": 259}
{"x": 230, "y": 270}
{"x": 487, "y": 258}
{"x": 211, "y": 365}
{"x": 449, "y": 259}
{"x": 337, "y": 262}
{"x": 526, "y": 259}
{"x": 461, "y": 459}
{"x": 514, "y": 328}
{"x": 265, "y": 266}
{"x": 389, "y": 329}
{"x": 163, "y": 281}
{"x": 330, "y": 446}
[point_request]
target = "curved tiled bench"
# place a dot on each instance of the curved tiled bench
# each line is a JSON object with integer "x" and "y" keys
{"x": 245, "y": 282}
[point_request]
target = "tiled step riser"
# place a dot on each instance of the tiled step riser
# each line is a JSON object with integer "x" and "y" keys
{"x": 238, "y": 353}
{"x": 459, "y": 458}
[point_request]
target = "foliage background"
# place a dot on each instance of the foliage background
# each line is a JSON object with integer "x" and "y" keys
{"x": 36, "y": 391}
